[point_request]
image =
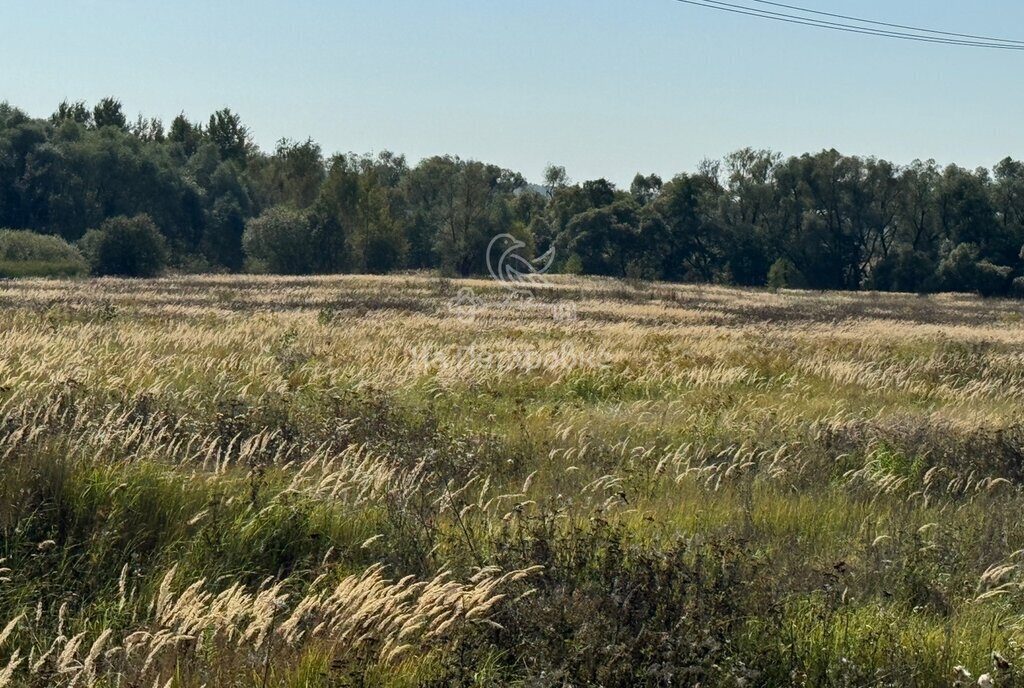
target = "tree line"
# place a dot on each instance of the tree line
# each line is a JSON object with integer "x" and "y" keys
{"x": 134, "y": 197}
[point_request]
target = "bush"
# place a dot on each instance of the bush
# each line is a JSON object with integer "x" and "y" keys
{"x": 384, "y": 251}
{"x": 904, "y": 270}
{"x": 126, "y": 247}
{"x": 961, "y": 271}
{"x": 784, "y": 274}
{"x": 280, "y": 241}
{"x": 40, "y": 268}
{"x": 645, "y": 268}
{"x": 958, "y": 270}
{"x": 993, "y": 280}
{"x": 573, "y": 265}
{"x": 28, "y": 254}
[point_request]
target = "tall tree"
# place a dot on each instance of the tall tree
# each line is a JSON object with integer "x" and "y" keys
{"x": 109, "y": 113}
{"x": 229, "y": 135}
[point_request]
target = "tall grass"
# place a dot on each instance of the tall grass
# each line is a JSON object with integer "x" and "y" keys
{"x": 334, "y": 482}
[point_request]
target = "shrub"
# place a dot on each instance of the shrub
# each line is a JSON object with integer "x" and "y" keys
{"x": 903, "y": 270}
{"x": 126, "y": 247}
{"x": 992, "y": 279}
{"x": 280, "y": 241}
{"x": 645, "y": 268}
{"x": 573, "y": 265}
{"x": 958, "y": 269}
{"x": 28, "y": 254}
{"x": 784, "y": 274}
{"x": 384, "y": 252}
{"x": 961, "y": 270}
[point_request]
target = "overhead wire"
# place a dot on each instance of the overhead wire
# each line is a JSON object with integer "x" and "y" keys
{"x": 919, "y": 29}
{"x": 847, "y": 28}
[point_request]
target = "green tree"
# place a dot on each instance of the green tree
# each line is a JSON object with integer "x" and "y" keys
{"x": 967, "y": 214}
{"x": 606, "y": 240}
{"x": 280, "y": 241}
{"x": 126, "y": 247}
{"x": 458, "y": 206}
{"x": 784, "y": 274}
{"x": 75, "y": 112}
{"x": 904, "y": 269}
{"x": 962, "y": 269}
{"x": 645, "y": 189}
{"x": 109, "y": 113}
{"x": 293, "y": 175}
{"x": 555, "y": 178}
{"x": 186, "y": 135}
{"x": 360, "y": 213}
{"x": 694, "y": 243}
{"x": 229, "y": 135}
{"x": 150, "y": 130}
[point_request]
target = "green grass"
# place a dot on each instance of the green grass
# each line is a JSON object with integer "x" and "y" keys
{"x": 10, "y": 269}
{"x": 692, "y": 502}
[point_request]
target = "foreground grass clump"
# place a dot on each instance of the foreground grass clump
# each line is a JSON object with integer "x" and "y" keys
{"x": 352, "y": 482}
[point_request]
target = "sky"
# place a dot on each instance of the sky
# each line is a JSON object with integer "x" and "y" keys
{"x": 607, "y": 88}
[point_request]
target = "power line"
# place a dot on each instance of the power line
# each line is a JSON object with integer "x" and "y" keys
{"x": 836, "y": 26}
{"x": 847, "y": 28}
{"x": 881, "y": 23}
{"x": 821, "y": 23}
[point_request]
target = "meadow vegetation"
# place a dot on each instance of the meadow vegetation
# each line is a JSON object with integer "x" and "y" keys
{"x": 358, "y": 481}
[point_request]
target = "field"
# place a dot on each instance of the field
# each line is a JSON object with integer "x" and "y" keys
{"x": 396, "y": 482}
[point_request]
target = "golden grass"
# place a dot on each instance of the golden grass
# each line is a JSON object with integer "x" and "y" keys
{"x": 834, "y": 426}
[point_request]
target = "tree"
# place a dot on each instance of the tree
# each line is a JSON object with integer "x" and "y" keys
{"x": 76, "y": 112}
{"x": 109, "y": 113}
{"x": 294, "y": 174}
{"x": 555, "y": 178}
{"x": 967, "y": 214}
{"x": 225, "y": 226}
{"x": 185, "y": 135}
{"x": 962, "y": 270}
{"x": 605, "y": 239}
{"x": 693, "y": 248}
{"x": 904, "y": 269}
{"x": 828, "y": 246}
{"x": 1008, "y": 200}
{"x": 231, "y": 137}
{"x": 150, "y": 130}
{"x": 280, "y": 241}
{"x": 842, "y": 222}
{"x": 458, "y": 206}
{"x": 875, "y": 205}
{"x": 784, "y": 274}
{"x": 645, "y": 189}
{"x": 230, "y": 206}
{"x": 126, "y": 247}
{"x": 360, "y": 213}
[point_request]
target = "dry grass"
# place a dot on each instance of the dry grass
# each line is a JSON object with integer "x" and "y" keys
{"x": 349, "y": 481}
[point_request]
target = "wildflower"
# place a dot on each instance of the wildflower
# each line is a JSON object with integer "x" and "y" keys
{"x": 962, "y": 674}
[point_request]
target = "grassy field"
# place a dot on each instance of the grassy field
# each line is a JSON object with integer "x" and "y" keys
{"x": 367, "y": 482}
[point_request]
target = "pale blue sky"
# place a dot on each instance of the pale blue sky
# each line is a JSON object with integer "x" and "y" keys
{"x": 604, "y": 87}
